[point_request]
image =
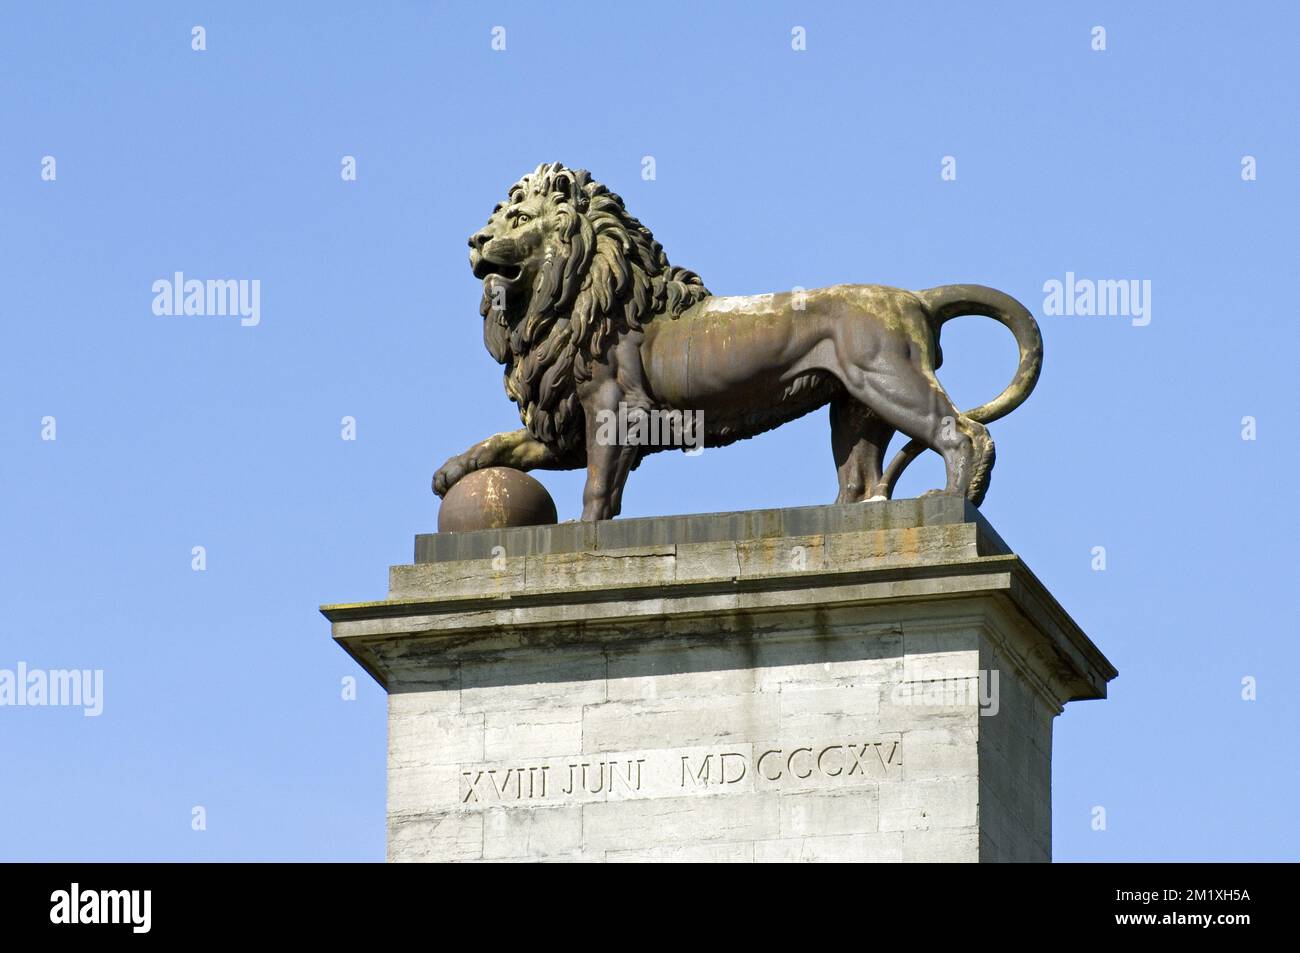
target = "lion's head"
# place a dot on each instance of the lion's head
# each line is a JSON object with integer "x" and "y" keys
{"x": 567, "y": 272}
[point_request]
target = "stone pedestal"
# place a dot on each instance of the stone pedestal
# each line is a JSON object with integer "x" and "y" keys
{"x": 873, "y": 682}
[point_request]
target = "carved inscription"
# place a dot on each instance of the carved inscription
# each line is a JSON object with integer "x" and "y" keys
{"x": 869, "y": 760}
{"x": 534, "y": 781}
{"x": 684, "y": 771}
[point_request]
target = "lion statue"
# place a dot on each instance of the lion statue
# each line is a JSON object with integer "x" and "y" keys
{"x": 593, "y": 324}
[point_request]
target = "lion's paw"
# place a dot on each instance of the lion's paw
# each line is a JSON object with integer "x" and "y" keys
{"x": 449, "y": 474}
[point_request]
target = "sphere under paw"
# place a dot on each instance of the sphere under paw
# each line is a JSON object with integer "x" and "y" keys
{"x": 495, "y": 498}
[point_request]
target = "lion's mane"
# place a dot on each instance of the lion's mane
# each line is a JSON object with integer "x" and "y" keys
{"x": 607, "y": 277}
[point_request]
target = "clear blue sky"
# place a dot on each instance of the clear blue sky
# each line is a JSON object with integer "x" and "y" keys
{"x": 775, "y": 168}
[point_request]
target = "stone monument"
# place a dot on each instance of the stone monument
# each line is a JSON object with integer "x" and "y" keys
{"x": 846, "y": 682}
{"x": 612, "y": 353}
{"x": 872, "y": 680}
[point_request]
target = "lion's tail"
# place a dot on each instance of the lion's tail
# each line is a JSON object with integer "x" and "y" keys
{"x": 949, "y": 301}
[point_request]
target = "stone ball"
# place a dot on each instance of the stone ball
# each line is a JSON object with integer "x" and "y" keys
{"x": 495, "y": 498}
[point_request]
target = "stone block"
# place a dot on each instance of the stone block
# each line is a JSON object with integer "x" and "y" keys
{"x": 832, "y": 684}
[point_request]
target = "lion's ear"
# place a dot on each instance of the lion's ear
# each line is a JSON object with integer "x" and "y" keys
{"x": 564, "y": 184}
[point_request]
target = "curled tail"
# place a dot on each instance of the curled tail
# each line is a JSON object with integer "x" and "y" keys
{"x": 949, "y": 301}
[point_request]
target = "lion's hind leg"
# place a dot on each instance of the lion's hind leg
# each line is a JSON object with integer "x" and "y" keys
{"x": 858, "y": 440}
{"x": 985, "y": 454}
{"x": 904, "y": 393}
{"x": 974, "y": 466}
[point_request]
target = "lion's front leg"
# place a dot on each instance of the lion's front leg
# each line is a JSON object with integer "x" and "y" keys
{"x": 514, "y": 448}
{"x": 603, "y": 491}
{"x": 608, "y": 461}
{"x": 597, "y": 497}
{"x": 607, "y": 471}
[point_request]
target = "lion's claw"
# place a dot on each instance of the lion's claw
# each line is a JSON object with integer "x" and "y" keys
{"x": 455, "y": 470}
{"x": 449, "y": 474}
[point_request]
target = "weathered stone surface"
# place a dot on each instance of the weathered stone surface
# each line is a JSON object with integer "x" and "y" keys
{"x": 871, "y": 683}
{"x": 881, "y": 848}
{"x": 852, "y": 526}
{"x": 525, "y": 833}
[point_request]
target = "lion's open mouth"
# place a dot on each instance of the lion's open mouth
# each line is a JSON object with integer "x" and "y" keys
{"x": 483, "y": 268}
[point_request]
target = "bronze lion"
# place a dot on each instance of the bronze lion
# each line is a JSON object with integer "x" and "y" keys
{"x": 582, "y": 307}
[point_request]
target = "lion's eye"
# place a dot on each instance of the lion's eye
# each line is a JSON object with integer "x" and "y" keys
{"x": 522, "y": 219}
